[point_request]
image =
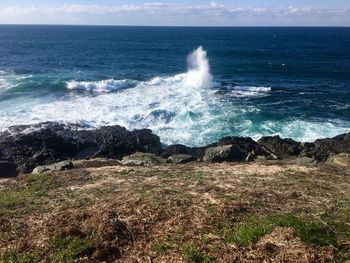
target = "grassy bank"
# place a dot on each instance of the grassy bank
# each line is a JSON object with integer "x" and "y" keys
{"x": 185, "y": 213}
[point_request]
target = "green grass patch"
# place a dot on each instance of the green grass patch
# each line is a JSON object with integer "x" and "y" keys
{"x": 248, "y": 231}
{"x": 192, "y": 254}
{"x": 309, "y": 231}
{"x": 11, "y": 256}
{"x": 339, "y": 219}
{"x": 26, "y": 197}
{"x": 253, "y": 228}
{"x": 68, "y": 248}
{"x": 161, "y": 246}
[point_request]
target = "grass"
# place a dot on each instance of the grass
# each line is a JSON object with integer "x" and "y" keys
{"x": 192, "y": 254}
{"x": 68, "y": 248}
{"x": 61, "y": 249}
{"x": 160, "y": 247}
{"x": 11, "y": 256}
{"x": 28, "y": 197}
{"x": 253, "y": 228}
{"x": 80, "y": 222}
{"x": 248, "y": 231}
{"x": 339, "y": 218}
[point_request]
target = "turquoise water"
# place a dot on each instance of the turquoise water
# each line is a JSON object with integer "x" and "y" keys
{"x": 189, "y": 85}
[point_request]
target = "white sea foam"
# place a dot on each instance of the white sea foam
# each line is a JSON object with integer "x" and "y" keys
{"x": 249, "y": 91}
{"x": 99, "y": 86}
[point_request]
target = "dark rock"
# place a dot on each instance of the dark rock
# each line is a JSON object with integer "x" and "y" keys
{"x": 331, "y": 146}
{"x": 47, "y": 143}
{"x": 225, "y": 153}
{"x": 181, "y": 158}
{"x": 280, "y": 148}
{"x": 55, "y": 167}
{"x": 247, "y": 145}
{"x": 197, "y": 152}
{"x": 7, "y": 169}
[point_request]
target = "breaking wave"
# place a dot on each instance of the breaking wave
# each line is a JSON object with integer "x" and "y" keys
{"x": 247, "y": 91}
{"x": 183, "y": 108}
{"x": 100, "y": 86}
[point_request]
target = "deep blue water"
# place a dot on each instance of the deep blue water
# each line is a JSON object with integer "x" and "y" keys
{"x": 260, "y": 81}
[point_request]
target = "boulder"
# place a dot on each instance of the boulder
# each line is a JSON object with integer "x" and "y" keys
{"x": 181, "y": 158}
{"x": 331, "y": 146}
{"x": 342, "y": 160}
{"x": 55, "y": 167}
{"x": 7, "y": 169}
{"x": 226, "y": 153}
{"x": 150, "y": 158}
{"x": 280, "y": 148}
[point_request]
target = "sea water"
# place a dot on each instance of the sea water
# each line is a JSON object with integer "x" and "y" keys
{"x": 189, "y": 85}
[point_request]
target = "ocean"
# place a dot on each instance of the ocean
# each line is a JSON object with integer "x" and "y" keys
{"x": 189, "y": 85}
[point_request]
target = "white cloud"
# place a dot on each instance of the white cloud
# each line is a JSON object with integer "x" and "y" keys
{"x": 162, "y": 13}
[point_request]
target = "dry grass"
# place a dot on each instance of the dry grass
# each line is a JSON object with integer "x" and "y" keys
{"x": 257, "y": 212}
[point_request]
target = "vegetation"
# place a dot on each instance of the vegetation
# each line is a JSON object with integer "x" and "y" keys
{"x": 195, "y": 212}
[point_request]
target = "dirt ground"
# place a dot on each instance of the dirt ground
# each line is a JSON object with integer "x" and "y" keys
{"x": 253, "y": 212}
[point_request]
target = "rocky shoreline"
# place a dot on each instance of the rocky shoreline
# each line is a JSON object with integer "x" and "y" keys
{"x": 25, "y": 147}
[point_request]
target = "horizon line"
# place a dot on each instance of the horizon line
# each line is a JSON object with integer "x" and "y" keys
{"x": 227, "y": 26}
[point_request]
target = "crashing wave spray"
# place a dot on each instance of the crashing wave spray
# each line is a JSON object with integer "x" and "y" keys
{"x": 198, "y": 74}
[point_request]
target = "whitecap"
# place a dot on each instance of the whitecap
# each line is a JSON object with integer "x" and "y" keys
{"x": 99, "y": 86}
{"x": 249, "y": 91}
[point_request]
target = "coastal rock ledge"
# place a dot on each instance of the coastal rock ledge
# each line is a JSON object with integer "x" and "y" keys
{"x": 29, "y": 146}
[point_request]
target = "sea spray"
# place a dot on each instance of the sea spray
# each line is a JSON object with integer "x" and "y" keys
{"x": 198, "y": 74}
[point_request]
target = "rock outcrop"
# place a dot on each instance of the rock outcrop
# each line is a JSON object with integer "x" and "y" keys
{"x": 29, "y": 146}
{"x": 280, "y": 148}
{"x": 47, "y": 143}
{"x": 331, "y": 146}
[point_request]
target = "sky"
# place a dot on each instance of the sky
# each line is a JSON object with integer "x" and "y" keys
{"x": 177, "y": 13}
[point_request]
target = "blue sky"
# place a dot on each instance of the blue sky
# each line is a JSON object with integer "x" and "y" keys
{"x": 179, "y": 12}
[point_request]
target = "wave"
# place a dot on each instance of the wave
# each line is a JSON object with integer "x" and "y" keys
{"x": 249, "y": 91}
{"x": 100, "y": 86}
{"x": 9, "y": 80}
